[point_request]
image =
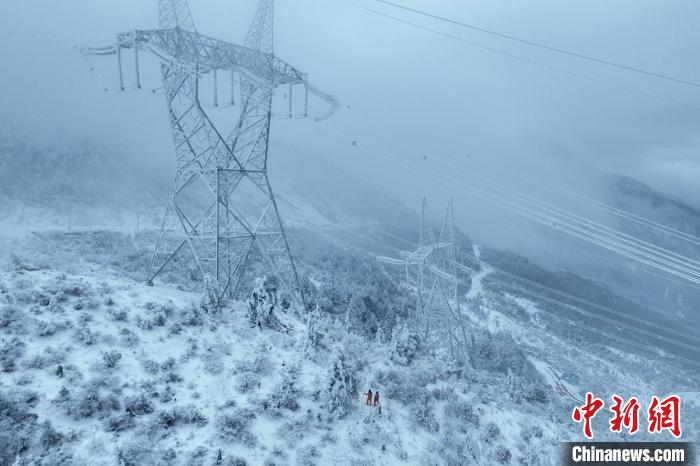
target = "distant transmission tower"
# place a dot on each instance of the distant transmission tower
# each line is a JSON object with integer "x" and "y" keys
{"x": 221, "y": 207}
{"x": 433, "y": 272}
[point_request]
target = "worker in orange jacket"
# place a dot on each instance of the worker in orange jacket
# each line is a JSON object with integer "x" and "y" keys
{"x": 376, "y": 398}
{"x": 369, "y": 397}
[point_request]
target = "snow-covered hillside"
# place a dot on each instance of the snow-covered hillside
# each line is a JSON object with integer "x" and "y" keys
{"x": 98, "y": 368}
{"x": 101, "y": 369}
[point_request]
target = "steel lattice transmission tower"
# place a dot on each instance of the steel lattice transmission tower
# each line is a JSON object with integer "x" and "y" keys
{"x": 221, "y": 207}
{"x": 433, "y": 272}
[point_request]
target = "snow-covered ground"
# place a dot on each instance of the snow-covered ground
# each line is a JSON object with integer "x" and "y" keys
{"x": 98, "y": 368}
{"x": 150, "y": 375}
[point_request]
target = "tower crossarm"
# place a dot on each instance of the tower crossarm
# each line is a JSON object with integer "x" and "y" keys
{"x": 206, "y": 53}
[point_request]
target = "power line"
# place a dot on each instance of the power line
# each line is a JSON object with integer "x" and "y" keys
{"x": 543, "y": 46}
{"x": 618, "y": 212}
{"x": 611, "y": 209}
{"x": 564, "y": 294}
{"x": 631, "y": 248}
{"x": 600, "y": 307}
{"x": 596, "y": 316}
{"x": 613, "y": 244}
{"x": 526, "y": 59}
{"x": 612, "y": 321}
{"x": 588, "y": 224}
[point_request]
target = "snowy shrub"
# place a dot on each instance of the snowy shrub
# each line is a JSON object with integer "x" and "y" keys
{"x": 531, "y": 458}
{"x": 8, "y": 315}
{"x": 172, "y": 377}
{"x": 111, "y": 358}
{"x": 7, "y": 364}
{"x": 12, "y": 320}
{"x": 76, "y": 289}
{"x": 167, "y": 395}
{"x": 17, "y": 427}
{"x": 248, "y": 382}
{"x": 157, "y": 316}
{"x": 120, "y": 423}
{"x": 503, "y": 455}
{"x": 134, "y": 454}
{"x": 144, "y": 324}
{"x": 308, "y": 456}
{"x": 233, "y": 426}
{"x": 89, "y": 304}
{"x": 87, "y": 402}
{"x": 571, "y": 377}
{"x": 47, "y": 329}
{"x": 189, "y": 415}
{"x": 340, "y": 385}
{"x": 441, "y": 393}
{"x": 84, "y": 318}
{"x": 533, "y": 392}
{"x": 422, "y": 413}
{"x": 294, "y": 430}
{"x": 259, "y": 363}
{"x": 168, "y": 364}
{"x": 49, "y": 357}
{"x": 407, "y": 344}
{"x": 463, "y": 411}
{"x": 425, "y": 372}
{"x": 234, "y": 461}
{"x": 191, "y": 317}
{"x": 213, "y": 363}
{"x": 457, "y": 450}
{"x": 499, "y": 353}
{"x": 150, "y": 366}
{"x": 128, "y": 338}
{"x": 197, "y": 455}
{"x": 49, "y": 437}
{"x": 190, "y": 351}
{"x": 164, "y": 420}
{"x": 138, "y": 405}
{"x": 284, "y": 395}
{"x": 10, "y": 350}
{"x": 491, "y": 432}
{"x": 56, "y": 307}
{"x": 537, "y": 431}
{"x": 118, "y": 315}
{"x": 25, "y": 379}
{"x": 392, "y": 383}
{"x": 84, "y": 336}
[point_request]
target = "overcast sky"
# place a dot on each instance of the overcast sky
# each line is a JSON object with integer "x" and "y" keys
{"x": 409, "y": 91}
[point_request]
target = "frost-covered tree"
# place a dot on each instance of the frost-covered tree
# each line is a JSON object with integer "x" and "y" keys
{"x": 362, "y": 314}
{"x": 264, "y": 305}
{"x": 312, "y": 339}
{"x": 210, "y": 300}
{"x": 340, "y": 384}
{"x": 380, "y": 336}
{"x": 285, "y": 394}
{"x": 406, "y": 343}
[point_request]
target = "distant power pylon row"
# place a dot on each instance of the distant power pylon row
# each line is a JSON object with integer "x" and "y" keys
{"x": 433, "y": 272}
{"x": 221, "y": 208}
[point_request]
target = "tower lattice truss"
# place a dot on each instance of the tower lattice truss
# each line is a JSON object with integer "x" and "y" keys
{"x": 221, "y": 209}
{"x": 434, "y": 272}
